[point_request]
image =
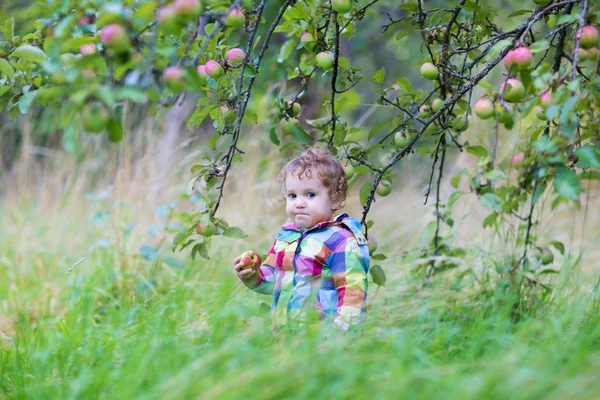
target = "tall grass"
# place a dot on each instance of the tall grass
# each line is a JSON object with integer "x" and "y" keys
{"x": 84, "y": 314}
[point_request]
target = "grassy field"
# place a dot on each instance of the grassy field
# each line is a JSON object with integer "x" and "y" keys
{"x": 87, "y": 312}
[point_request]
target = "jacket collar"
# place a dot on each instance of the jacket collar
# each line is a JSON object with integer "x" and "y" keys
{"x": 334, "y": 219}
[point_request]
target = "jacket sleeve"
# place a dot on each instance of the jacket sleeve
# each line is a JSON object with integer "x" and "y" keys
{"x": 264, "y": 279}
{"x": 349, "y": 265}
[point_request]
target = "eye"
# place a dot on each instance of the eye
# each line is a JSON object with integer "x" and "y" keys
{"x": 292, "y": 196}
{"x": 310, "y": 195}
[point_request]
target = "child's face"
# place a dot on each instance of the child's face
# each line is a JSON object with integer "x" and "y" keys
{"x": 307, "y": 200}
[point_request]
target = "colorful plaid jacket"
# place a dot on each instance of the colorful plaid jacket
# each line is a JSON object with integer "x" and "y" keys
{"x": 322, "y": 269}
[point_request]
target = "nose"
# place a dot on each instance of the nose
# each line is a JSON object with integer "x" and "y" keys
{"x": 300, "y": 203}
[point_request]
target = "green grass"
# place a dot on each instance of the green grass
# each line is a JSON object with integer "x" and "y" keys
{"x": 102, "y": 332}
{"x": 117, "y": 326}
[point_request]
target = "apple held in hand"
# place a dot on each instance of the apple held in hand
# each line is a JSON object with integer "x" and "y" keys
{"x": 250, "y": 259}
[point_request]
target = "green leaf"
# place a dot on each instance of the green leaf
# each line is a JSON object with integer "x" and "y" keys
{"x": 479, "y": 151}
{"x": 589, "y": 157}
{"x": 234, "y": 232}
{"x": 538, "y": 193}
{"x": 558, "y": 246}
{"x": 565, "y": 18}
{"x": 490, "y": 220}
{"x": 9, "y": 29}
{"x": 379, "y": 257}
{"x": 273, "y": 136}
{"x": 26, "y": 100}
{"x": 30, "y": 53}
{"x": 491, "y": 201}
{"x": 401, "y": 35}
{"x": 496, "y": 175}
{"x": 365, "y": 191}
{"x": 540, "y": 46}
{"x": 200, "y": 115}
{"x": 379, "y": 76}
{"x": 519, "y": 12}
{"x": 453, "y": 197}
{"x": 286, "y": 50}
{"x": 378, "y": 275}
{"x": 6, "y": 68}
{"x": 69, "y": 139}
{"x": 300, "y": 135}
{"x": 567, "y": 184}
{"x": 497, "y": 48}
{"x": 200, "y": 248}
{"x": 114, "y": 130}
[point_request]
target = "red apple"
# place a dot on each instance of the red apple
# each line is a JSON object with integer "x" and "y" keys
{"x": 115, "y": 38}
{"x": 213, "y": 69}
{"x": 168, "y": 20}
{"x": 95, "y": 117}
{"x": 250, "y": 259}
{"x": 517, "y": 159}
{"x": 545, "y": 100}
{"x": 206, "y": 229}
{"x": 588, "y": 37}
{"x": 341, "y": 6}
{"x": 522, "y": 57}
{"x": 484, "y": 108}
{"x": 307, "y": 37}
{"x": 324, "y": 60}
{"x": 235, "y": 18}
{"x": 87, "y": 49}
{"x": 187, "y": 10}
{"x": 429, "y": 71}
{"x": 235, "y": 57}
{"x": 173, "y": 77}
{"x": 201, "y": 69}
{"x": 508, "y": 60}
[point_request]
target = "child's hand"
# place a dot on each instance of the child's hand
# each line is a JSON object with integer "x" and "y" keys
{"x": 246, "y": 265}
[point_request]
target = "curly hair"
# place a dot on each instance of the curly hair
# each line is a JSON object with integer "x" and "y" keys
{"x": 328, "y": 169}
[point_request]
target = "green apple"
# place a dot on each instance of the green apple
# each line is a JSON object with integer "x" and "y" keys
{"x": 95, "y": 117}
{"x": 429, "y": 71}
{"x": 206, "y": 229}
{"x": 384, "y": 188}
{"x": 324, "y": 60}
{"x": 402, "y": 139}
{"x": 341, "y": 6}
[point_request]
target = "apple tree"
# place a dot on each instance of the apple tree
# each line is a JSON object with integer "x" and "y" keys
{"x": 92, "y": 59}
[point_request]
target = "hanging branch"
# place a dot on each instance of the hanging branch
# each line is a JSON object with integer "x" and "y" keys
{"x": 243, "y": 102}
